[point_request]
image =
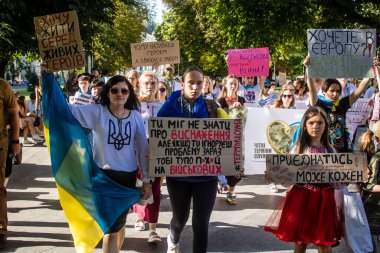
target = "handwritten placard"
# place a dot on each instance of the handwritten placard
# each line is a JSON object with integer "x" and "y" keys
{"x": 59, "y": 41}
{"x": 195, "y": 147}
{"x": 282, "y": 78}
{"x": 341, "y": 53}
{"x": 151, "y": 53}
{"x": 317, "y": 168}
{"x": 81, "y": 99}
{"x": 249, "y": 62}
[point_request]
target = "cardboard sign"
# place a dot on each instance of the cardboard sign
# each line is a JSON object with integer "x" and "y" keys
{"x": 59, "y": 41}
{"x": 268, "y": 131}
{"x": 282, "y": 78}
{"x": 195, "y": 147}
{"x": 249, "y": 62}
{"x": 341, "y": 53}
{"x": 151, "y": 53}
{"x": 317, "y": 168}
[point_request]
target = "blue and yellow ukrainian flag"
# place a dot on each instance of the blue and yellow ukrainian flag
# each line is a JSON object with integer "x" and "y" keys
{"x": 91, "y": 201}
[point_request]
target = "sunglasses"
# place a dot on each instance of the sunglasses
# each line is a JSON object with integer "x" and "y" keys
{"x": 266, "y": 87}
{"x": 287, "y": 96}
{"x": 162, "y": 89}
{"x": 131, "y": 78}
{"x": 123, "y": 91}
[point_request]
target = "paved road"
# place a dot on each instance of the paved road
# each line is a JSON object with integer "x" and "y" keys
{"x": 37, "y": 223}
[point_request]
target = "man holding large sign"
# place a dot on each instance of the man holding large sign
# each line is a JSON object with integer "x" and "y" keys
{"x": 339, "y": 53}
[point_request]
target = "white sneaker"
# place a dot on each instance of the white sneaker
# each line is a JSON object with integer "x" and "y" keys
{"x": 37, "y": 138}
{"x": 172, "y": 247}
{"x": 26, "y": 141}
{"x": 273, "y": 188}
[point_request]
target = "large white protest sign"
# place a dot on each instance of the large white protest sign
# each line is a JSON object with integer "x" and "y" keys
{"x": 195, "y": 147}
{"x": 316, "y": 168}
{"x": 268, "y": 131}
{"x": 151, "y": 53}
{"x": 59, "y": 40}
{"x": 341, "y": 53}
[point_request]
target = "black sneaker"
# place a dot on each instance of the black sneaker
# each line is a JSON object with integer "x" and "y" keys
{"x": 3, "y": 241}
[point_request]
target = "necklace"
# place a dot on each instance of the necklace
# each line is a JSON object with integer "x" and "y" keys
{"x": 122, "y": 114}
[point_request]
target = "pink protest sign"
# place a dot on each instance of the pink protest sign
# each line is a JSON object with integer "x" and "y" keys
{"x": 249, "y": 62}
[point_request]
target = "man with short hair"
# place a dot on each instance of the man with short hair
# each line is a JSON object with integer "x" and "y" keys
{"x": 8, "y": 108}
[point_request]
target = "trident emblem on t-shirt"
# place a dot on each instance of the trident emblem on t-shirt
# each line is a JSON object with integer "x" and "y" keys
{"x": 119, "y": 137}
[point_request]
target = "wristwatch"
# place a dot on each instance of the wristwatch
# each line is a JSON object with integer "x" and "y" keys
{"x": 15, "y": 141}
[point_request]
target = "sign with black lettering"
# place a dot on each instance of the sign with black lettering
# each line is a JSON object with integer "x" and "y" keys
{"x": 195, "y": 147}
{"x": 268, "y": 132}
{"x": 317, "y": 168}
{"x": 151, "y": 53}
{"x": 59, "y": 41}
{"x": 341, "y": 53}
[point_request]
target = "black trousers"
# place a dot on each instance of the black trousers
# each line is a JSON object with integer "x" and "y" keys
{"x": 203, "y": 195}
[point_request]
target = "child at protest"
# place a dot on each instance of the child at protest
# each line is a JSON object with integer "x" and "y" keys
{"x": 308, "y": 213}
{"x": 355, "y": 225}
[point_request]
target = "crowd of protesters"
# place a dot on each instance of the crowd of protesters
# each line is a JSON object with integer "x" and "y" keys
{"x": 126, "y": 99}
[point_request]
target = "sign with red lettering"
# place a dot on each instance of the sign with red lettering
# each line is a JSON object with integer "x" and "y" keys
{"x": 59, "y": 41}
{"x": 249, "y": 62}
{"x": 151, "y": 53}
{"x": 341, "y": 53}
{"x": 195, "y": 147}
{"x": 316, "y": 168}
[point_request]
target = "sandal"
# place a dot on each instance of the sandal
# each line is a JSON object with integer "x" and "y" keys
{"x": 140, "y": 225}
{"x": 154, "y": 237}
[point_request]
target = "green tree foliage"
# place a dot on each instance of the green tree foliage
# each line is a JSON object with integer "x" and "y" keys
{"x": 17, "y": 33}
{"x": 207, "y": 28}
{"x": 112, "y": 45}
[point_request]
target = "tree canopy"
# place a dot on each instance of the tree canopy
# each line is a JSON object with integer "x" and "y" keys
{"x": 112, "y": 45}
{"x": 207, "y": 28}
{"x": 17, "y": 33}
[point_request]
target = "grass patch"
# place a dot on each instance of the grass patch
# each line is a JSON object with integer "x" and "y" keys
{"x": 24, "y": 93}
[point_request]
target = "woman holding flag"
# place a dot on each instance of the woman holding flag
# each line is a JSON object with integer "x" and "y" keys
{"x": 96, "y": 190}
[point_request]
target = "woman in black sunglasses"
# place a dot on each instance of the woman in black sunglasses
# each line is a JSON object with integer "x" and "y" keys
{"x": 119, "y": 144}
{"x": 286, "y": 99}
{"x": 162, "y": 91}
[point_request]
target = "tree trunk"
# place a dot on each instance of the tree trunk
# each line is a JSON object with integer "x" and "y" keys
{"x": 3, "y": 64}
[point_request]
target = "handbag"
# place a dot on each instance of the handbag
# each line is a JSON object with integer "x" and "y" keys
{"x": 36, "y": 122}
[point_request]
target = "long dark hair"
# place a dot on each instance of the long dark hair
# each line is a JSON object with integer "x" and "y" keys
{"x": 304, "y": 140}
{"x": 132, "y": 102}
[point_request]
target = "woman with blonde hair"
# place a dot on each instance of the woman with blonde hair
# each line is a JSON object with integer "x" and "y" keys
{"x": 133, "y": 77}
{"x": 150, "y": 105}
{"x": 286, "y": 98}
{"x": 234, "y": 106}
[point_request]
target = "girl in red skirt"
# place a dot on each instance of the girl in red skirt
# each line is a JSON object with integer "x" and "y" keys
{"x": 308, "y": 213}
